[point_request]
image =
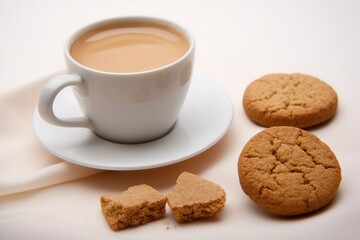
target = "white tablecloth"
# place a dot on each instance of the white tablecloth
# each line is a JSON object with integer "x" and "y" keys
{"x": 237, "y": 42}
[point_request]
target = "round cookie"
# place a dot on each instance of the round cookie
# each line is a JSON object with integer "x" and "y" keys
{"x": 296, "y": 100}
{"x": 288, "y": 171}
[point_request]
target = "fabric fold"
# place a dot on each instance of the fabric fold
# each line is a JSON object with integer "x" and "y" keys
{"x": 24, "y": 163}
{"x": 47, "y": 176}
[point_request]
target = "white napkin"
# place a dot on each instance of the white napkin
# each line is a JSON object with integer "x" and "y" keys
{"x": 24, "y": 164}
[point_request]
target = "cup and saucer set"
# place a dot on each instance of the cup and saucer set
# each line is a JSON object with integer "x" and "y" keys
{"x": 203, "y": 120}
{"x": 84, "y": 116}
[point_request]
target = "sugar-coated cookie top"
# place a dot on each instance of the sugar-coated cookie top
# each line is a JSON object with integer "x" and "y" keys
{"x": 191, "y": 189}
{"x": 136, "y": 195}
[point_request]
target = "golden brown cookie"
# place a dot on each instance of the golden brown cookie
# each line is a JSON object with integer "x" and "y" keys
{"x": 139, "y": 204}
{"x": 288, "y": 171}
{"x": 194, "y": 197}
{"x": 296, "y": 100}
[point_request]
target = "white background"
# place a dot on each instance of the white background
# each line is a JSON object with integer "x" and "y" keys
{"x": 237, "y": 42}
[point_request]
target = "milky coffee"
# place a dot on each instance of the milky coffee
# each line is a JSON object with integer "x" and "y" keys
{"x": 129, "y": 47}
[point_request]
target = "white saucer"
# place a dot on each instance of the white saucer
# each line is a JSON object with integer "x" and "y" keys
{"x": 204, "y": 119}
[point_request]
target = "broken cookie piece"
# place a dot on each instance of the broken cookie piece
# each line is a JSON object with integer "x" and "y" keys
{"x": 138, "y": 205}
{"x": 194, "y": 197}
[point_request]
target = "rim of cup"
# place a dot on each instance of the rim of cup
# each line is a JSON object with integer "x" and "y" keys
{"x": 186, "y": 33}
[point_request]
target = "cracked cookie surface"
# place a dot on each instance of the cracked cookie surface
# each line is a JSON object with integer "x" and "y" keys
{"x": 288, "y": 171}
{"x": 296, "y": 100}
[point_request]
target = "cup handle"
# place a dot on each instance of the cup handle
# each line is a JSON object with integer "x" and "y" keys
{"x": 48, "y": 95}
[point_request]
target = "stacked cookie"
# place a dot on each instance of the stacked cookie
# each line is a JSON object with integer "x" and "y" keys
{"x": 285, "y": 169}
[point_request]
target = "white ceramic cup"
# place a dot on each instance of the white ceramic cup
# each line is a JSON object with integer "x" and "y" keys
{"x": 123, "y": 107}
